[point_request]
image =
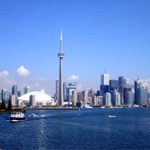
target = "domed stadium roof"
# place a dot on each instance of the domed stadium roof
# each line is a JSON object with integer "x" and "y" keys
{"x": 39, "y": 97}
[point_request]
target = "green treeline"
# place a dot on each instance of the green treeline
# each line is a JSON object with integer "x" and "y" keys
{"x": 4, "y": 107}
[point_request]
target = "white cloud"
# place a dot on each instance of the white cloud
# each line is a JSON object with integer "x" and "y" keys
{"x": 4, "y": 73}
{"x": 73, "y": 78}
{"x": 146, "y": 83}
{"x": 22, "y": 71}
{"x": 5, "y": 79}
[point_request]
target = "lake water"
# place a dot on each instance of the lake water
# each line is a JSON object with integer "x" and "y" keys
{"x": 77, "y": 129}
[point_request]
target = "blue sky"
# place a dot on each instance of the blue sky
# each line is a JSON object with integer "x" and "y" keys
{"x": 97, "y": 34}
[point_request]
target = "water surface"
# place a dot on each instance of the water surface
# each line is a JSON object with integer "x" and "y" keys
{"x": 77, "y": 129}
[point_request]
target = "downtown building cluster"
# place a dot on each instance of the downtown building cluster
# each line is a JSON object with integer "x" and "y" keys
{"x": 27, "y": 99}
{"x": 112, "y": 93}
{"x": 12, "y": 96}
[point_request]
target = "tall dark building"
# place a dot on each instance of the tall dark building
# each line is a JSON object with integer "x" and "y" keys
{"x": 15, "y": 90}
{"x": 142, "y": 96}
{"x": 137, "y": 85}
{"x": 5, "y": 95}
{"x": 128, "y": 96}
{"x": 113, "y": 85}
{"x": 104, "y": 89}
{"x": 122, "y": 83}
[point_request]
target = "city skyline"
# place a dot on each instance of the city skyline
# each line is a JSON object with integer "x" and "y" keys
{"x": 98, "y": 35}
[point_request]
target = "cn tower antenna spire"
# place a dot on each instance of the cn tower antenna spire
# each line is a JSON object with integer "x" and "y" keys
{"x": 61, "y": 41}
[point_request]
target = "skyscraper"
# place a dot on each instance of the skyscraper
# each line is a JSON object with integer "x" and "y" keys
{"x": 104, "y": 87}
{"x": 137, "y": 85}
{"x": 68, "y": 88}
{"x": 122, "y": 83}
{"x": 5, "y": 95}
{"x": 57, "y": 89}
{"x": 15, "y": 92}
{"x": 105, "y": 79}
{"x": 26, "y": 90}
{"x": 61, "y": 56}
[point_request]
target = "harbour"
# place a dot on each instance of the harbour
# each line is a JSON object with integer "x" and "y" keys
{"x": 81, "y": 129}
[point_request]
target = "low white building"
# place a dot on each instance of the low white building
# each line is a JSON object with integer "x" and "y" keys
{"x": 40, "y": 98}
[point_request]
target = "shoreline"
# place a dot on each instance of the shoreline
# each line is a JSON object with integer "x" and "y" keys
{"x": 53, "y": 108}
{"x": 40, "y": 108}
{"x": 64, "y": 108}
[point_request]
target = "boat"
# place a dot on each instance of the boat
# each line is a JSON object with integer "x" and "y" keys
{"x": 86, "y": 105}
{"x": 110, "y": 116}
{"x": 17, "y": 116}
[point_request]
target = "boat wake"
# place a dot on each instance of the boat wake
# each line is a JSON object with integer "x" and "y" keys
{"x": 33, "y": 115}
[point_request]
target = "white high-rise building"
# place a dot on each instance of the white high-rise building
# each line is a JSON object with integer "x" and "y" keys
{"x": 108, "y": 99}
{"x": 13, "y": 100}
{"x": 85, "y": 96}
{"x": 74, "y": 98}
{"x": 105, "y": 79}
{"x": 117, "y": 99}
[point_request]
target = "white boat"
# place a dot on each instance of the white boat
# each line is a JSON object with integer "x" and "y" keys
{"x": 110, "y": 116}
{"x": 86, "y": 105}
{"x": 17, "y": 116}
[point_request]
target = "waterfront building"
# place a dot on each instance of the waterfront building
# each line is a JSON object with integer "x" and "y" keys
{"x": 137, "y": 85}
{"x": 13, "y": 100}
{"x": 26, "y": 90}
{"x": 68, "y": 89}
{"x": 32, "y": 100}
{"x": 74, "y": 98}
{"x": 80, "y": 96}
{"x": 98, "y": 93}
{"x": 129, "y": 98}
{"x": 85, "y": 96}
{"x": 142, "y": 96}
{"x": 105, "y": 79}
{"x": 5, "y": 95}
{"x": 19, "y": 93}
{"x": 107, "y": 99}
{"x": 57, "y": 89}
{"x": 94, "y": 101}
{"x": 15, "y": 90}
{"x": 100, "y": 101}
{"x": 122, "y": 83}
{"x": 61, "y": 56}
{"x": 92, "y": 93}
{"x": 104, "y": 87}
{"x": 116, "y": 99}
{"x": 65, "y": 91}
{"x": 36, "y": 98}
{"x": 113, "y": 85}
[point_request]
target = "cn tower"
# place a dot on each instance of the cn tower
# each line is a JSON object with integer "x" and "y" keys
{"x": 61, "y": 56}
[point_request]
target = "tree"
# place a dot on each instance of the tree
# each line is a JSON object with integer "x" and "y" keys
{"x": 9, "y": 108}
{"x": 3, "y": 106}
